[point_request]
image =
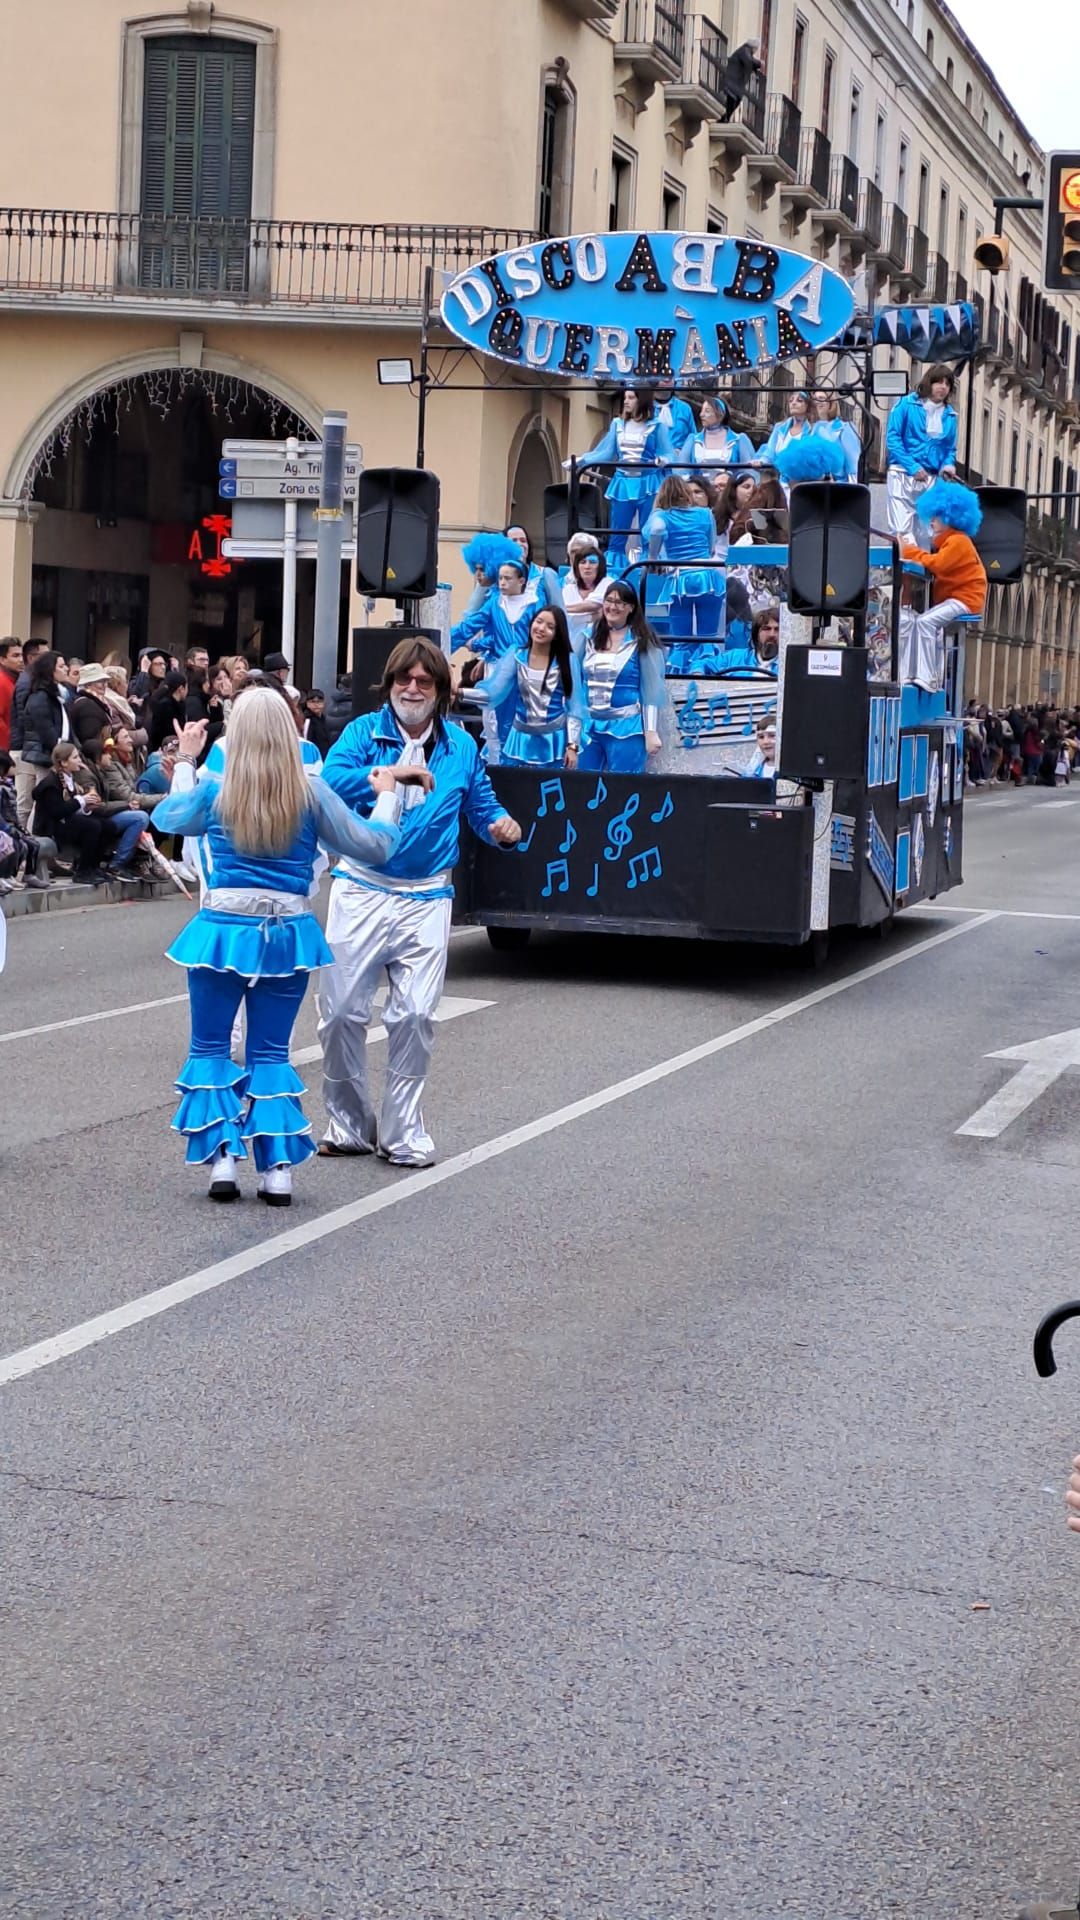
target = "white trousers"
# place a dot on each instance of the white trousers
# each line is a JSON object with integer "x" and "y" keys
{"x": 374, "y": 933}
{"x": 902, "y": 493}
{"x": 922, "y": 644}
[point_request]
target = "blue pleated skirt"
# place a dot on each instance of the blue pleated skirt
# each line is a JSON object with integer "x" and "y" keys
{"x": 522, "y": 749}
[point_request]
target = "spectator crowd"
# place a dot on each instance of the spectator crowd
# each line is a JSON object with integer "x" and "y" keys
{"x": 87, "y": 750}
{"x": 1021, "y": 745}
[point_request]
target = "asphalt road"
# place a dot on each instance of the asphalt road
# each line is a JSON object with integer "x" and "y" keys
{"x": 650, "y": 1514}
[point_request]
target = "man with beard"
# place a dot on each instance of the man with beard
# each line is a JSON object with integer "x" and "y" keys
{"x": 395, "y": 920}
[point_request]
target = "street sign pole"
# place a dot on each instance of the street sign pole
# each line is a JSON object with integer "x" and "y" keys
{"x": 324, "y": 667}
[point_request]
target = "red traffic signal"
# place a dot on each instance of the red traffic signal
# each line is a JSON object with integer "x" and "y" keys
{"x": 1061, "y": 234}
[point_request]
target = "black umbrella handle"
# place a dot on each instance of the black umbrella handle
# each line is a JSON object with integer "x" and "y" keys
{"x": 1043, "y": 1349}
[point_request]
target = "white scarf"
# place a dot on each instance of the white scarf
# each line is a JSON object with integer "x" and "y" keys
{"x": 935, "y": 418}
{"x": 412, "y": 755}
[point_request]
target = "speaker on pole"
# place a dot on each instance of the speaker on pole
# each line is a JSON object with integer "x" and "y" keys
{"x": 828, "y": 547}
{"x": 1002, "y": 536}
{"x": 397, "y": 533}
{"x": 557, "y": 528}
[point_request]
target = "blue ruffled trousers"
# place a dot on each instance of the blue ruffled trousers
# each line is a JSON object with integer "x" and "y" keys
{"x": 223, "y": 1106}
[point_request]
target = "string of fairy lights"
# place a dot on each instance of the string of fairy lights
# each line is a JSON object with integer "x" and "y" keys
{"x": 161, "y": 389}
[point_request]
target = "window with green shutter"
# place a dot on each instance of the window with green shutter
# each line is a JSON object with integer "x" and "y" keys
{"x": 197, "y": 143}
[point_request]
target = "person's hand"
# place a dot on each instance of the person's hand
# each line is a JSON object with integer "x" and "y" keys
{"x": 1072, "y": 1497}
{"x": 192, "y": 738}
{"x": 90, "y": 801}
{"x": 385, "y": 779}
{"x": 653, "y": 743}
{"x": 570, "y": 759}
{"x": 948, "y": 473}
{"x": 505, "y": 832}
{"x": 921, "y": 476}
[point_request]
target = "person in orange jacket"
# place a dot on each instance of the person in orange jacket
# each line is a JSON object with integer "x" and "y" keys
{"x": 958, "y": 579}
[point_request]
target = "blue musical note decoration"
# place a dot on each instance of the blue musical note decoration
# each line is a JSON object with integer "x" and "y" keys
{"x": 595, "y": 888}
{"x": 719, "y": 701}
{"x": 599, "y": 796}
{"x": 620, "y": 832}
{"x": 691, "y": 723}
{"x": 524, "y": 845}
{"x": 553, "y": 790}
{"x": 557, "y": 869}
{"x": 748, "y": 729}
{"x": 640, "y": 873}
{"x": 667, "y": 808}
{"x": 568, "y": 838}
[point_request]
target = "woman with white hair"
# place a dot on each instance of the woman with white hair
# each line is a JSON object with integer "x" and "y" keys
{"x": 255, "y": 941}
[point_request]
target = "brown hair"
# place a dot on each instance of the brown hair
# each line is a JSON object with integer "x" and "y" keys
{"x": 936, "y": 372}
{"x": 416, "y": 651}
{"x": 673, "y": 493}
{"x": 63, "y": 751}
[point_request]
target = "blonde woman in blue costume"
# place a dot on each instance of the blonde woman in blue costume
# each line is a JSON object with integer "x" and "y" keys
{"x": 255, "y": 941}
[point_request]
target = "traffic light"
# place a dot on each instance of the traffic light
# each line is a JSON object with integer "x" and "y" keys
{"x": 992, "y": 252}
{"x": 1061, "y": 242}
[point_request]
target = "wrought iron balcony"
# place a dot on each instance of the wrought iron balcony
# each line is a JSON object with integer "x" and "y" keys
{"x": 652, "y": 38}
{"x": 699, "y": 94}
{"x": 1053, "y": 541}
{"x": 783, "y": 131}
{"x": 745, "y": 131}
{"x": 281, "y": 269}
{"x": 913, "y": 272}
{"x": 871, "y": 218}
{"x": 937, "y": 278}
{"x": 958, "y": 288}
{"x": 810, "y": 187}
{"x": 891, "y": 249}
{"x": 840, "y": 213}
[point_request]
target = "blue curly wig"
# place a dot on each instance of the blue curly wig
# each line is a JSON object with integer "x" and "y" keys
{"x": 491, "y": 551}
{"x": 955, "y": 506}
{"x": 809, "y": 458}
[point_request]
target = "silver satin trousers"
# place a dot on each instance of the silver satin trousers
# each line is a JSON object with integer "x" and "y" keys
{"x": 373, "y": 934}
{"x": 902, "y": 499}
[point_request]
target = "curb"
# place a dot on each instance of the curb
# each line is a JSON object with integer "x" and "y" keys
{"x": 59, "y": 899}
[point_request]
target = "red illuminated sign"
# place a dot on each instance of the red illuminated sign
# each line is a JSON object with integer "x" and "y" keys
{"x": 213, "y": 564}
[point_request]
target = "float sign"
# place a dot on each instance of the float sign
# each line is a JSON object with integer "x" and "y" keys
{"x": 648, "y": 306}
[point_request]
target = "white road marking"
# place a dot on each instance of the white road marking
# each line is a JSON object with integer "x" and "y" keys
{"x": 1001, "y": 913}
{"x": 448, "y": 1008}
{"x": 1047, "y": 804}
{"x": 175, "y": 1000}
{"x": 1044, "y": 1061}
{"x": 45, "y": 1353}
{"x": 1015, "y": 1097}
{"x": 87, "y": 1019}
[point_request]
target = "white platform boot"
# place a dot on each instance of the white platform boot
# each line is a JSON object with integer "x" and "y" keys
{"x": 275, "y": 1187}
{"x": 223, "y": 1181}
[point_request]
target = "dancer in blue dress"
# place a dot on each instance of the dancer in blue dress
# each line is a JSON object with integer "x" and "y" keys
{"x": 920, "y": 446}
{"x": 544, "y": 677}
{"x": 797, "y": 425}
{"x": 716, "y": 444}
{"x": 254, "y": 941}
{"x": 622, "y": 666}
{"x": 637, "y": 440}
{"x": 691, "y": 597}
{"x": 829, "y": 426}
{"x": 500, "y": 625}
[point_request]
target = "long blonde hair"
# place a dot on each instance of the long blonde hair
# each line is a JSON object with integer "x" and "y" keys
{"x": 264, "y": 795}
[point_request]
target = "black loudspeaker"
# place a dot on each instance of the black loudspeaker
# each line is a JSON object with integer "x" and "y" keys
{"x": 1001, "y": 538}
{"x": 372, "y": 647}
{"x": 397, "y": 533}
{"x": 557, "y": 528}
{"x": 826, "y": 713}
{"x": 758, "y": 868}
{"x": 828, "y": 548}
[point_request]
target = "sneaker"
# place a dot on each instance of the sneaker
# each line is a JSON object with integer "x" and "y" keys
{"x": 184, "y": 873}
{"x": 223, "y": 1182}
{"x": 38, "y": 881}
{"x": 275, "y": 1187}
{"x": 127, "y": 874}
{"x": 92, "y": 877}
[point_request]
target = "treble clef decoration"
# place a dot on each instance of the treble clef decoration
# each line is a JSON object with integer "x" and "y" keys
{"x": 620, "y": 832}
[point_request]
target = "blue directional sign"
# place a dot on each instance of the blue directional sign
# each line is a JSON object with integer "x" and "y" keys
{"x": 227, "y": 488}
{"x": 227, "y": 468}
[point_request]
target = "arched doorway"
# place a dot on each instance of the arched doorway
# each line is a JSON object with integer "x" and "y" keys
{"x": 128, "y": 532}
{"x": 535, "y": 469}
